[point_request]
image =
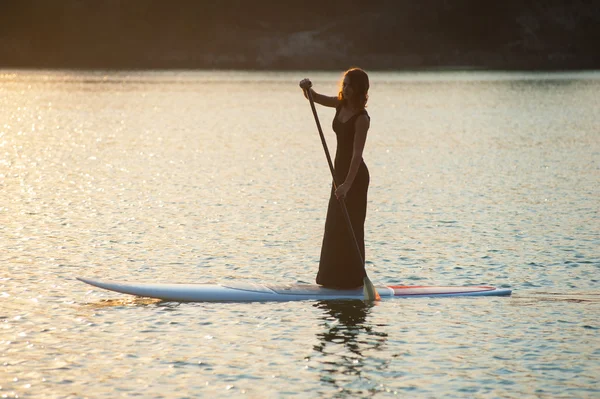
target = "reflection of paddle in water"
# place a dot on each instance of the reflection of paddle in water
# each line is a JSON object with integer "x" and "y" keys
{"x": 343, "y": 347}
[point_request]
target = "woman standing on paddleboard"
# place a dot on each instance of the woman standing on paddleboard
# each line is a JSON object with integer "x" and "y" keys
{"x": 338, "y": 266}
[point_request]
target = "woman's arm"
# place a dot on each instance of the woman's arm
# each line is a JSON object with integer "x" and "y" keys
{"x": 360, "y": 138}
{"x": 326, "y": 101}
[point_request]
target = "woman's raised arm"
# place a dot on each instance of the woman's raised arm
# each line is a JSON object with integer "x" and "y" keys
{"x": 326, "y": 101}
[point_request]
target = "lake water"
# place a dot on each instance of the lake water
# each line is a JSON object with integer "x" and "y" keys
{"x": 212, "y": 177}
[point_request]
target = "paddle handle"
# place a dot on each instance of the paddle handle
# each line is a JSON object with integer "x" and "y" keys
{"x": 359, "y": 256}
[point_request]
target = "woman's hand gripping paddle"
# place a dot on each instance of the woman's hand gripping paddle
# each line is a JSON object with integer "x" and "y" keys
{"x": 369, "y": 290}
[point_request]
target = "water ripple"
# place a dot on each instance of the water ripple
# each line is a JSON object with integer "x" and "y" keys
{"x": 192, "y": 177}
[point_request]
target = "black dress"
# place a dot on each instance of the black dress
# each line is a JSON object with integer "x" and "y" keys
{"x": 339, "y": 266}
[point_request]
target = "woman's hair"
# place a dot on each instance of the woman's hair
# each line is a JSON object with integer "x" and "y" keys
{"x": 359, "y": 81}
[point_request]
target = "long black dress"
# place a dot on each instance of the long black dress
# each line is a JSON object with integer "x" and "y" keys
{"x": 339, "y": 266}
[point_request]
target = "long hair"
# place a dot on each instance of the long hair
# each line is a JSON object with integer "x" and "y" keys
{"x": 359, "y": 81}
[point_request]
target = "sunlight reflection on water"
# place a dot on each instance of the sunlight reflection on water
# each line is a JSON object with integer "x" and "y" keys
{"x": 477, "y": 178}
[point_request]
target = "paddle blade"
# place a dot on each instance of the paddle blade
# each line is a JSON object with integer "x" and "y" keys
{"x": 369, "y": 290}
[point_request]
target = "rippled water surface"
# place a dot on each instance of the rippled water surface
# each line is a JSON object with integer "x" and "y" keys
{"x": 476, "y": 178}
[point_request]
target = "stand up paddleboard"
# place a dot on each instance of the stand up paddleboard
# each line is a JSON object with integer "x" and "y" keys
{"x": 250, "y": 292}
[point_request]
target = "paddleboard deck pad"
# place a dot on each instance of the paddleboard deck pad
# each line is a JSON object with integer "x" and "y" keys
{"x": 251, "y": 292}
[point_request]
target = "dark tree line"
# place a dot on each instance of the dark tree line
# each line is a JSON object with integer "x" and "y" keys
{"x": 265, "y": 34}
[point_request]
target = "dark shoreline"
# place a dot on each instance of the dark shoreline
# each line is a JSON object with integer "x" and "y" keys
{"x": 261, "y": 35}
{"x": 272, "y": 70}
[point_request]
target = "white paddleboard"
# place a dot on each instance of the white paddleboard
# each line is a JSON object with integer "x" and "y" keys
{"x": 251, "y": 292}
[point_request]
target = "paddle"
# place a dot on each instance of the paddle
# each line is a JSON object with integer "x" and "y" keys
{"x": 369, "y": 290}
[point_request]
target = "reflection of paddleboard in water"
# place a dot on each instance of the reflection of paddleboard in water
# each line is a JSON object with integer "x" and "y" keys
{"x": 251, "y": 292}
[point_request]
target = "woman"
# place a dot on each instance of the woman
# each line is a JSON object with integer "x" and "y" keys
{"x": 339, "y": 266}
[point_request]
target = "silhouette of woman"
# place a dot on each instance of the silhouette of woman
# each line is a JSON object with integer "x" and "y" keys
{"x": 338, "y": 267}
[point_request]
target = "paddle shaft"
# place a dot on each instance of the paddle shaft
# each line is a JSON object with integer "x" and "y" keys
{"x": 335, "y": 185}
